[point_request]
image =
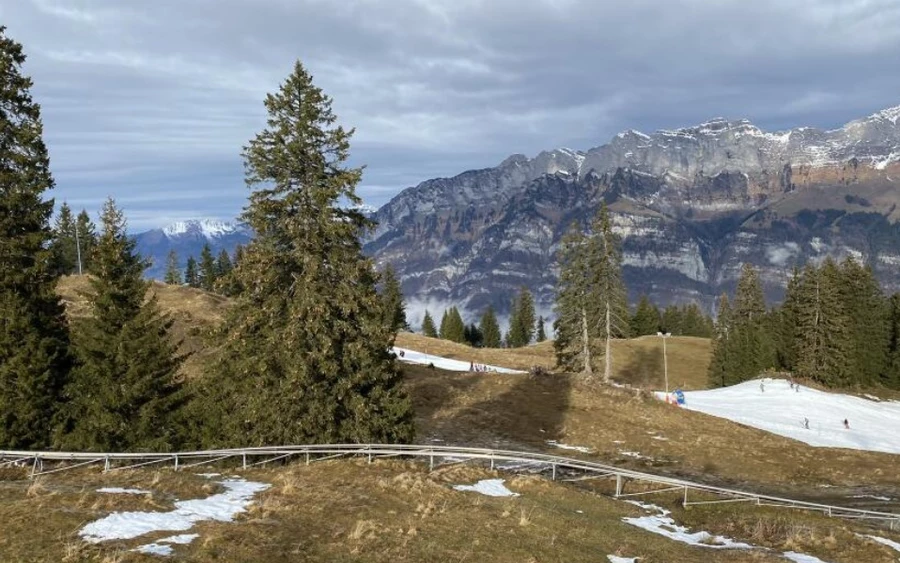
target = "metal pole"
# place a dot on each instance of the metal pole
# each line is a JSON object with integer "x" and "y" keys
{"x": 78, "y": 248}
{"x": 685, "y": 497}
{"x": 554, "y": 472}
{"x": 244, "y": 457}
{"x": 665, "y": 364}
{"x": 618, "y": 485}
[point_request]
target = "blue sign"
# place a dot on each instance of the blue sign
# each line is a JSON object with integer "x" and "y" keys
{"x": 679, "y": 396}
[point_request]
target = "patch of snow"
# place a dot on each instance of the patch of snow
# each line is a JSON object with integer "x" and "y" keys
{"x": 182, "y": 539}
{"x": 413, "y": 357}
{"x": 882, "y": 162}
{"x": 662, "y": 524}
{"x": 872, "y": 397}
{"x": 801, "y": 558}
{"x": 884, "y": 541}
{"x": 208, "y": 228}
{"x": 817, "y": 244}
{"x": 220, "y": 507}
{"x": 121, "y": 491}
{"x": 874, "y": 497}
{"x": 616, "y": 559}
{"x": 781, "y": 410}
{"x": 488, "y": 487}
{"x": 209, "y": 475}
{"x": 581, "y": 449}
{"x": 889, "y": 114}
{"x": 154, "y": 549}
{"x": 663, "y": 438}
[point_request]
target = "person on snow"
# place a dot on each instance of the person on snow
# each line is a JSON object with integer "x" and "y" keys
{"x": 846, "y": 424}
{"x": 762, "y": 387}
{"x": 806, "y": 423}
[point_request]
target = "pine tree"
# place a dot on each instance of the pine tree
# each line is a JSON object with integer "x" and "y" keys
{"x": 671, "y": 321}
{"x": 124, "y": 393}
{"x": 868, "y": 322}
{"x": 591, "y": 300}
{"x": 392, "y": 300}
{"x": 452, "y": 326}
{"x": 720, "y": 366}
{"x": 891, "y": 377}
{"x": 752, "y": 346}
{"x": 521, "y": 323}
{"x": 694, "y": 322}
{"x": 306, "y": 356}
{"x": 34, "y": 338}
{"x": 473, "y": 336}
{"x": 823, "y": 338}
{"x": 173, "y": 273}
{"x": 428, "y": 328}
{"x": 208, "y": 271}
{"x": 490, "y": 329}
{"x": 191, "y": 275}
{"x": 86, "y": 238}
{"x": 227, "y": 282}
{"x": 64, "y": 248}
{"x": 646, "y": 319}
{"x": 223, "y": 264}
{"x": 786, "y": 346}
{"x": 540, "y": 330}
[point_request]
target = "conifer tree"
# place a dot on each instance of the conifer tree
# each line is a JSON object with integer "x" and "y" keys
{"x": 173, "y": 273}
{"x": 591, "y": 302}
{"x": 490, "y": 329}
{"x": 521, "y": 322}
{"x": 392, "y": 300}
{"x": 473, "y": 336}
{"x": 541, "y": 332}
{"x": 868, "y": 322}
{"x": 208, "y": 270}
{"x": 452, "y": 326}
{"x": 86, "y": 239}
{"x": 752, "y": 347}
{"x": 720, "y": 366}
{"x": 223, "y": 264}
{"x": 671, "y": 321}
{"x": 428, "y": 328}
{"x": 646, "y": 319}
{"x": 891, "y": 377}
{"x": 125, "y": 392}
{"x": 786, "y": 347}
{"x": 306, "y": 356}
{"x": 694, "y": 322}
{"x": 823, "y": 339}
{"x": 191, "y": 275}
{"x": 34, "y": 338}
{"x": 64, "y": 248}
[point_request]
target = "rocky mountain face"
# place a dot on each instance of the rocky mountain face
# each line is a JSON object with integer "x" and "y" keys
{"x": 187, "y": 238}
{"x": 692, "y": 205}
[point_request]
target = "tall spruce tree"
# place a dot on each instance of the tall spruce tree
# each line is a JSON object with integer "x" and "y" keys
{"x": 173, "y": 273}
{"x": 521, "y": 322}
{"x": 34, "y": 338}
{"x": 868, "y": 322}
{"x": 490, "y": 329}
{"x": 671, "y": 320}
{"x": 823, "y": 338}
{"x": 124, "y": 393}
{"x": 392, "y": 300}
{"x": 191, "y": 274}
{"x": 209, "y": 273}
{"x": 428, "y": 328}
{"x": 223, "y": 264}
{"x": 786, "y": 347}
{"x": 306, "y": 356}
{"x": 646, "y": 319}
{"x": 540, "y": 330}
{"x": 473, "y": 336}
{"x": 891, "y": 377}
{"x": 452, "y": 326}
{"x": 752, "y": 348}
{"x": 86, "y": 237}
{"x": 720, "y": 371}
{"x": 64, "y": 248}
{"x": 591, "y": 300}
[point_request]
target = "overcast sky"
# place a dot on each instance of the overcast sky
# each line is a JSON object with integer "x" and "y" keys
{"x": 150, "y": 101}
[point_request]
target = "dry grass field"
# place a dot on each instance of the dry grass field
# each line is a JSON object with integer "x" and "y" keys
{"x": 393, "y": 510}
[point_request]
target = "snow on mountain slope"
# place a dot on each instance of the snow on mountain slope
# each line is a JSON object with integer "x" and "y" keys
{"x": 208, "y": 228}
{"x": 781, "y": 410}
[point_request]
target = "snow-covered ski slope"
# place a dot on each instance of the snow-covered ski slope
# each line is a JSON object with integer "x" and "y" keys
{"x": 414, "y": 357}
{"x": 874, "y": 426}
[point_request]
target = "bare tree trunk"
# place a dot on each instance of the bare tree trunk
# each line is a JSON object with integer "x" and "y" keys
{"x": 586, "y": 345}
{"x": 607, "y": 372}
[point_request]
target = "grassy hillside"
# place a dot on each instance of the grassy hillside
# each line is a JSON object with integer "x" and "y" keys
{"x": 391, "y": 510}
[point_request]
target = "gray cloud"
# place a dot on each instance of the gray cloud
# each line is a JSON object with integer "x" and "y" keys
{"x": 151, "y": 102}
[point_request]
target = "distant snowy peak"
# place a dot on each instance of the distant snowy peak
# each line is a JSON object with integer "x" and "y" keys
{"x": 890, "y": 114}
{"x": 206, "y": 228}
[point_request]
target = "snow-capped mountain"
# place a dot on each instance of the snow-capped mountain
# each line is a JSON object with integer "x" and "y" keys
{"x": 187, "y": 238}
{"x": 691, "y": 204}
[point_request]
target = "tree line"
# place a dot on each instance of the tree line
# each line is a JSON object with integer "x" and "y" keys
{"x": 305, "y": 350}
{"x": 835, "y": 327}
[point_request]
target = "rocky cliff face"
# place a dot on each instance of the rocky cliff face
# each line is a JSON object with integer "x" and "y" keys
{"x": 692, "y": 205}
